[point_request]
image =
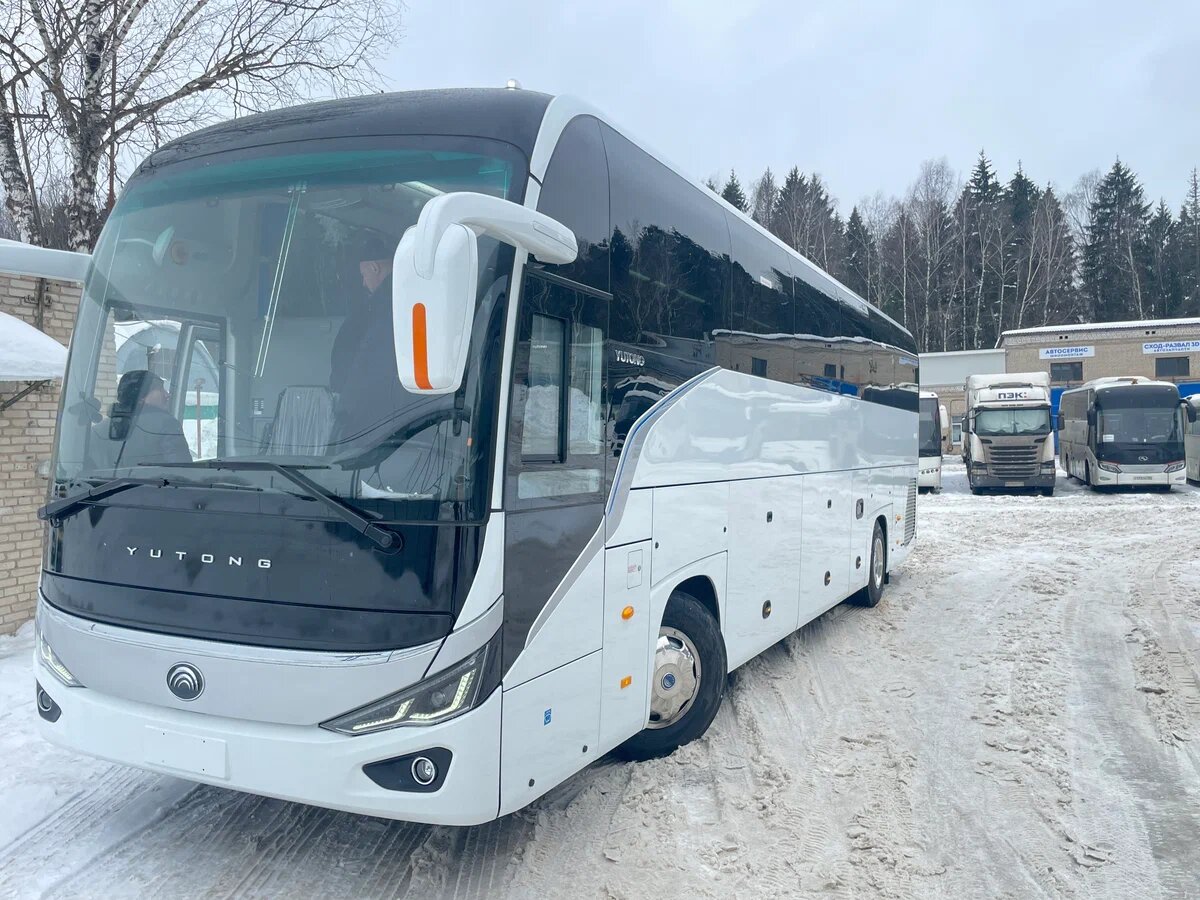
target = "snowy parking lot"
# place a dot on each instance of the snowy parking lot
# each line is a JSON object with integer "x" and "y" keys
{"x": 1019, "y": 717}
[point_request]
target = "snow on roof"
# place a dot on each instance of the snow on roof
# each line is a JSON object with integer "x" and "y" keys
{"x": 27, "y": 354}
{"x": 1101, "y": 326}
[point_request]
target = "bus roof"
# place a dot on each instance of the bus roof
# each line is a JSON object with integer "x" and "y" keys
{"x": 516, "y": 116}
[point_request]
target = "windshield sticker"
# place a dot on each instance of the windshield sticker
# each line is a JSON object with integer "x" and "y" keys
{"x": 1108, "y": 438}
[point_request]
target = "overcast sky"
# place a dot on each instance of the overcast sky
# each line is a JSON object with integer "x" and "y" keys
{"x": 860, "y": 92}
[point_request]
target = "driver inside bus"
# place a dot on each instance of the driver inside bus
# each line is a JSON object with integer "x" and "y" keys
{"x": 140, "y": 427}
{"x": 362, "y": 363}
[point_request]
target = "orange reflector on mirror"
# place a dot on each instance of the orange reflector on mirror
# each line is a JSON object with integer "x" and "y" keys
{"x": 420, "y": 347}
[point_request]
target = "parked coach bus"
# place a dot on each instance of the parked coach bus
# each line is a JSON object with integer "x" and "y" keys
{"x": 434, "y": 564}
{"x": 1191, "y": 437}
{"x": 931, "y": 430}
{"x": 1122, "y": 431}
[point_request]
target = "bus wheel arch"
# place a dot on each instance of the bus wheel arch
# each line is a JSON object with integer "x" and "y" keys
{"x": 701, "y": 588}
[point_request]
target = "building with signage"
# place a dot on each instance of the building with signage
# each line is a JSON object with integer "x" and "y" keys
{"x": 1165, "y": 349}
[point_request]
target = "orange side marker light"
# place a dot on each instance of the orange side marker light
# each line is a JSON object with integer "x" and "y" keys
{"x": 626, "y": 681}
{"x": 420, "y": 347}
{"x": 627, "y": 613}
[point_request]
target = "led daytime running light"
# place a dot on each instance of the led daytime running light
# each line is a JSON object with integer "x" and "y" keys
{"x": 54, "y": 664}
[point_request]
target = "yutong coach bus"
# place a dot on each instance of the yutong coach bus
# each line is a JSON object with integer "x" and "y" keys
{"x": 437, "y": 560}
{"x": 1126, "y": 431}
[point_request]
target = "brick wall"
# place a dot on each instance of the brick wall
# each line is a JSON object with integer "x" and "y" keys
{"x": 26, "y": 439}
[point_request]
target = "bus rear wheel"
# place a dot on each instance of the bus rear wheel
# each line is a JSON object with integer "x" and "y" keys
{"x": 689, "y": 680}
{"x": 877, "y": 573}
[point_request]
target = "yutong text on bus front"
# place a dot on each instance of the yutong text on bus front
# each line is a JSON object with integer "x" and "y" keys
{"x": 417, "y": 450}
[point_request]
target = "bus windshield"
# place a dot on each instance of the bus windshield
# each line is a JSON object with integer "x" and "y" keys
{"x": 999, "y": 422}
{"x": 1141, "y": 425}
{"x": 239, "y": 306}
{"x": 929, "y": 429}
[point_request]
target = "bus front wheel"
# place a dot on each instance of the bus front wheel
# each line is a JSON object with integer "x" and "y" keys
{"x": 689, "y": 680}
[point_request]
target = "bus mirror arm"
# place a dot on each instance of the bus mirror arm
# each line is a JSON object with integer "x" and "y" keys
{"x": 17, "y": 258}
{"x": 435, "y": 275}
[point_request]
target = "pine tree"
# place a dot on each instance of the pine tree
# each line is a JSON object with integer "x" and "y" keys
{"x": 860, "y": 253}
{"x": 789, "y": 208}
{"x": 733, "y": 194}
{"x": 1187, "y": 249}
{"x": 1162, "y": 266}
{"x": 1114, "y": 269}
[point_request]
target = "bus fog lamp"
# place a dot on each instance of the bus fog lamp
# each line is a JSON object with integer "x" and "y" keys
{"x": 424, "y": 772}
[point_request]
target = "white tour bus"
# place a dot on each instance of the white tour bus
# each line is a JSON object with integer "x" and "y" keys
{"x": 520, "y": 442}
{"x": 931, "y": 432}
{"x": 1124, "y": 431}
{"x": 1191, "y": 437}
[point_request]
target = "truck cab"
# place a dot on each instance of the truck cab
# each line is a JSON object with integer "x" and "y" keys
{"x": 1006, "y": 433}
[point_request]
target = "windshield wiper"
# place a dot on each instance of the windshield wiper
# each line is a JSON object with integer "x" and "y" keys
{"x": 359, "y": 521}
{"x": 60, "y": 509}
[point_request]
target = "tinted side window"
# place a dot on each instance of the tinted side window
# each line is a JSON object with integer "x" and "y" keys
{"x": 670, "y": 258}
{"x": 898, "y": 375}
{"x": 575, "y": 192}
{"x": 864, "y": 360}
{"x": 818, "y": 333}
{"x": 761, "y": 340}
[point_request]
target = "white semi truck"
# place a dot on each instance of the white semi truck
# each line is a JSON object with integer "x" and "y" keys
{"x": 1006, "y": 433}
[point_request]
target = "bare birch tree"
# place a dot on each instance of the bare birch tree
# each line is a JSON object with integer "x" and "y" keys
{"x": 83, "y": 80}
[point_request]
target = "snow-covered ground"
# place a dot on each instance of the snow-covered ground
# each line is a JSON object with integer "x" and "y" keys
{"x": 1020, "y": 717}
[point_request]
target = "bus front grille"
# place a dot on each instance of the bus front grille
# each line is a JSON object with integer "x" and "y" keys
{"x": 1013, "y": 462}
{"x": 910, "y": 512}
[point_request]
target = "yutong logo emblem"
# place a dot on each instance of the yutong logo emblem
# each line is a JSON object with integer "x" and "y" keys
{"x": 633, "y": 359}
{"x": 205, "y": 558}
{"x": 185, "y": 681}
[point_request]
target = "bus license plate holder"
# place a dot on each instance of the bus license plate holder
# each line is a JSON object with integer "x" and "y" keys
{"x": 190, "y": 753}
{"x": 1014, "y": 484}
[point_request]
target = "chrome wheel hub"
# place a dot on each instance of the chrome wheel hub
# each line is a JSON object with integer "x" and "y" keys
{"x": 877, "y": 561}
{"x": 676, "y": 677}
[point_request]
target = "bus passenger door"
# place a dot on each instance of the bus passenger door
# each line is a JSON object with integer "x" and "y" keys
{"x": 554, "y": 540}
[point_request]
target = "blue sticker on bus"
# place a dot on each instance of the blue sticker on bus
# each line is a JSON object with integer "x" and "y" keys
{"x": 546, "y": 717}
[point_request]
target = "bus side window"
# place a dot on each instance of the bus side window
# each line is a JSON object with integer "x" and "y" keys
{"x": 557, "y": 437}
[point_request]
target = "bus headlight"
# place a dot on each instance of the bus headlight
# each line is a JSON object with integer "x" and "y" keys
{"x": 1175, "y": 466}
{"x": 438, "y": 699}
{"x": 51, "y": 661}
{"x": 1109, "y": 467}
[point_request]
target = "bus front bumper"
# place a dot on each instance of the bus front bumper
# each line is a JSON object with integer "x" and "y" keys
{"x": 304, "y": 764}
{"x": 1139, "y": 476}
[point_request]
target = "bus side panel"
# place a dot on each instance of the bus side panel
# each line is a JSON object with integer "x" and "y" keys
{"x": 571, "y": 627}
{"x": 690, "y": 523}
{"x": 828, "y": 513}
{"x": 624, "y": 692}
{"x": 765, "y": 518}
{"x": 872, "y": 490}
{"x": 550, "y": 730}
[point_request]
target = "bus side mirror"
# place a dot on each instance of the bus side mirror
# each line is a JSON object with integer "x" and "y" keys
{"x": 435, "y": 273}
{"x": 17, "y": 258}
{"x": 1190, "y": 410}
{"x": 1091, "y": 418}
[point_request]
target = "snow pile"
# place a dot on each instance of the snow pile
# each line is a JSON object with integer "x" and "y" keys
{"x": 27, "y": 354}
